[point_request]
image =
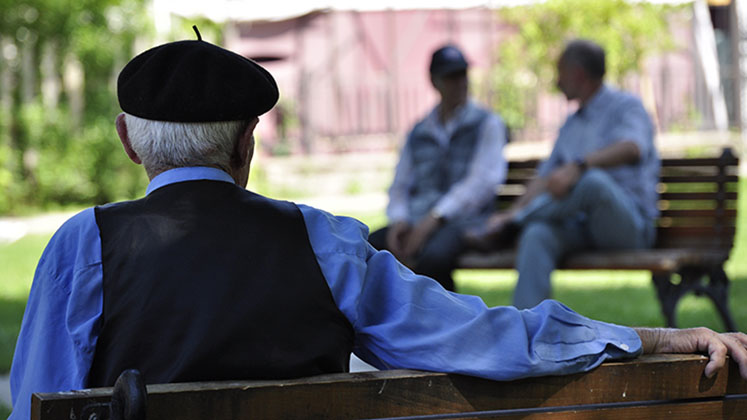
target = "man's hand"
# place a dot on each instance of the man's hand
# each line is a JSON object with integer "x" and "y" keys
{"x": 498, "y": 220}
{"x": 561, "y": 180}
{"x": 420, "y": 234}
{"x": 698, "y": 340}
{"x": 396, "y": 238}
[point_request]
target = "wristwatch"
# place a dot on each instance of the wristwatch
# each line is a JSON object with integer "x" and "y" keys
{"x": 582, "y": 165}
{"x": 437, "y": 215}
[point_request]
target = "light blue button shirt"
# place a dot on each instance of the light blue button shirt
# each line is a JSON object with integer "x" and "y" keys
{"x": 609, "y": 117}
{"x": 401, "y": 320}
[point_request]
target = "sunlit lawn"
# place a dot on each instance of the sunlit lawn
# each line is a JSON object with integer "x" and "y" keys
{"x": 624, "y": 297}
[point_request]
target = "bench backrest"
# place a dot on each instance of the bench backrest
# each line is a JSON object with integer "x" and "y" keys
{"x": 697, "y": 200}
{"x": 657, "y": 386}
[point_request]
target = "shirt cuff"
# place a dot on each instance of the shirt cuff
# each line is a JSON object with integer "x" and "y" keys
{"x": 445, "y": 209}
{"x": 575, "y": 343}
{"x": 396, "y": 213}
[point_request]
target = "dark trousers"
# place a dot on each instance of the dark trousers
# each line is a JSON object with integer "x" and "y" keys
{"x": 437, "y": 258}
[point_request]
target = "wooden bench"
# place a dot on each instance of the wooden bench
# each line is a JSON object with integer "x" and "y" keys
{"x": 658, "y": 386}
{"x": 695, "y": 233}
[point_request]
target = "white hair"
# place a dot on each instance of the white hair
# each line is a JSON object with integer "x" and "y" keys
{"x": 163, "y": 145}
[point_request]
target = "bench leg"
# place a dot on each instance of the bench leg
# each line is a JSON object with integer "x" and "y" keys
{"x": 691, "y": 279}
{"x": 713, "y": 282}
{"x": 718, "y": 291}
{"x": 669, "y": 294}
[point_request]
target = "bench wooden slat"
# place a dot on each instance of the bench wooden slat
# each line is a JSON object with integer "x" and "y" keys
{"x": 710, "y": 213}
{"x": 714, "y": 196}
{"x": 523, "y": 164}
{"x": 518, "y": 181}
{"x": 698, "y": 178}
{"x": 671, "y": 379}
{"x": 507, "y": 198}
{"x": 666, "y": 164}
{"x": 698, "y": 233}
{"x": 659, "y": 260}
{"x": 694, "y": 244}
{"x": 664, "y": 195}
{"x": 726, "y": 159}
{"x": 730, "y": 409}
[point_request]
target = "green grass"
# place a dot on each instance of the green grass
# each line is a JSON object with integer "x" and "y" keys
{"x": 17, "y": 263}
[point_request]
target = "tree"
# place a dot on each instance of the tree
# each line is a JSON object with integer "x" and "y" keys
{"x": 57, "y": 102}
{"x": 627, "y": 31}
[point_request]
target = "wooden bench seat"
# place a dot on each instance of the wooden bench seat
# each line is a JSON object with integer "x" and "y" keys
{"x": 695, "y": 233}
{"x": 656, "y": 386}
{"x": 656, "y": 260}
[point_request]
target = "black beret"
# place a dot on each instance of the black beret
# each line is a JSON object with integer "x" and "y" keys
{"x": 195, "y": 81}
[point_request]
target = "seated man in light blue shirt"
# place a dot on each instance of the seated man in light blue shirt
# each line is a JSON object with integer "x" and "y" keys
{"x": 202, "y": 280}
{"x": 448, "y": 172}
{"x": 597, "y": 190}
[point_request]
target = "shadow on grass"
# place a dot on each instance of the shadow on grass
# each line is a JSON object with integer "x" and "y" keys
{"x": 11, "y": 314}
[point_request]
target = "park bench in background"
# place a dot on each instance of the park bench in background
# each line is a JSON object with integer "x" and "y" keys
{"x": 695, "y": 233}
{"x": 657, "y": 386}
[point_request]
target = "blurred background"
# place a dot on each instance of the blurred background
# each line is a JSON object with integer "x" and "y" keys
{"x": 353, "y": 77}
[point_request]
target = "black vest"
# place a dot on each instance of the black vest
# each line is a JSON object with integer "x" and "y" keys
{"x": 204, "y": 280}
{"x": 435, "y": 168}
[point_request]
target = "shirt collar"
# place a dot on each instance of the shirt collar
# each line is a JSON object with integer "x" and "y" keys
{"x": 193, "y": 173}
{"x": 464, "y": 114}
{"x": 596, "y": 101}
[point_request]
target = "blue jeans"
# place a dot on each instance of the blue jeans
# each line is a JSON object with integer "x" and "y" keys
{"x": 596, "y": 214}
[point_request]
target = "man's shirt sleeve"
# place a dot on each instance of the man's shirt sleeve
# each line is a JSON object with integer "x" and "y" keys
{"x": 487, "y": 171}
{"x": 404, "y": 320}
{"x": 399, "y": 192}
{"x": 632, "y": 123}
{"x": 56, "y": 344}
{"x": 553, "y": 161}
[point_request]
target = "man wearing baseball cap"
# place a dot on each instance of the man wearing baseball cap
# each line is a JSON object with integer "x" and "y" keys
{"x": 203, "y": 280}
{"x": 448, "y": 172}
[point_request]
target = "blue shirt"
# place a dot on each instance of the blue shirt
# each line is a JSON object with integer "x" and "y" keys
{"x": 609, "y": 117}
{"x": 401, "y": 320}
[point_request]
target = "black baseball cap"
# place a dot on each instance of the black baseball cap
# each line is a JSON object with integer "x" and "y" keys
{"x": 446, "y": 60}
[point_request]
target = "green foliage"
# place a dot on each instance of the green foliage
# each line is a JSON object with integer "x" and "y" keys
{"x": 61, "y": 148}
{"x": 628, "y": 31}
